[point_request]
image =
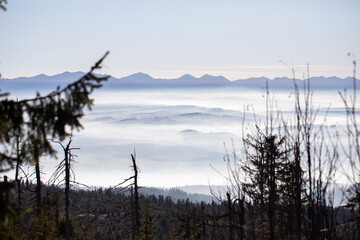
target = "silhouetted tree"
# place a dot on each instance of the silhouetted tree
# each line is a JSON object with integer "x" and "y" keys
{"x": 136, "y": 206}
{"x": 37, "y": 120}
{"x": 351, "y": 149}
{"x": 65, "y": 169}
{"x": 264, "y": 171}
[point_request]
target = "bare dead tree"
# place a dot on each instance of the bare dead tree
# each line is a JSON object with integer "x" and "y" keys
{"x": 67, "y": 189}
{"x": 130, "y": 185}
{"x": 351, "y": 149}
{"x": 136, "y": 196}
{"x": 65, "y": 169}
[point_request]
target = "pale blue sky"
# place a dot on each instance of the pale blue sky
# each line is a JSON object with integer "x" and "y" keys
{"x": 168, "y": 38}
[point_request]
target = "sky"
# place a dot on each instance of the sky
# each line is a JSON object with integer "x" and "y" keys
{"x": 169, "y": 38}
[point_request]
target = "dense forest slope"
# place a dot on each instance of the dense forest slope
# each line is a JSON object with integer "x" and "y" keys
{"x": 108, "y": 214}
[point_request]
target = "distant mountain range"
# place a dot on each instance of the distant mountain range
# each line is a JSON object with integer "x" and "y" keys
{"x": 142, "y": 80}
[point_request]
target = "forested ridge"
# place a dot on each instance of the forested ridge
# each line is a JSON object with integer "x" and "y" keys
{"x": 104, "y": 214}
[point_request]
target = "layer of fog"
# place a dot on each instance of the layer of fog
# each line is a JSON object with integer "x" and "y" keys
{"x": 178, "y": 134}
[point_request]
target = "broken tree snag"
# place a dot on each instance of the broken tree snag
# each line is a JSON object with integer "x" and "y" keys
{"x": 136, "y": 195}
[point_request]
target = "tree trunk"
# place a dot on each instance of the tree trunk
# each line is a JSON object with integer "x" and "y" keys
{"x": 136, "y": 196}
{"x": 67, "y": 190}
{"x": 298, "y": 183}
{"x": 6, "y": 192}
{"x": 241, "y": 218}
{"x": 230, "y": 212}
{"x": 17, "y": 180}
{"x": 38, "y": 183}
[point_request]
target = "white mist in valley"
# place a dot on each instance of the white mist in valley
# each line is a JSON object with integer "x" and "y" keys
{"x": 178, "y": 134}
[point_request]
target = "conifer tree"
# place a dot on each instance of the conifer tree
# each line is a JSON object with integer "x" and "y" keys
{"x": 264, "y": 158}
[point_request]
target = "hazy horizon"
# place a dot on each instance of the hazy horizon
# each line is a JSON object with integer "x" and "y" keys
{"x": 286, "y": 75}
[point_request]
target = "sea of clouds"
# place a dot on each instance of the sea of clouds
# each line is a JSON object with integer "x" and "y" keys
{"x": 179, "y": 135}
